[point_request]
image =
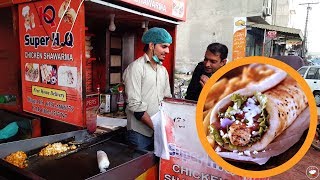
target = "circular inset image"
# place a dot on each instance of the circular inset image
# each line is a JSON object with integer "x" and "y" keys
{"x": 253, "y": 117}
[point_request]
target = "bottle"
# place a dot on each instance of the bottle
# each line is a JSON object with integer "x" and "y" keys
{"x": 120, "y": 101}
{"x": 98, "y": 88}
{"x": 7, "y": 98}
{"x": 2, "y": 99}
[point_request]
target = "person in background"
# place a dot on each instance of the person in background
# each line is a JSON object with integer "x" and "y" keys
{"x": 146, "y": 84}
{"x": 214, "y": 58}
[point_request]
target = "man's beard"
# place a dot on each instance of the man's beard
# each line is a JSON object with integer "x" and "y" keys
{"x": 209, "y": 73}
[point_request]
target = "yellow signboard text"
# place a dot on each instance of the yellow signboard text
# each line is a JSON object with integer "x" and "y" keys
{"x": 55, "y": 94}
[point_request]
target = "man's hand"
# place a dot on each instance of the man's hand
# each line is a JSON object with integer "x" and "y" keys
{"x": 147, "y": 120}
{"x": 203, "y": 80}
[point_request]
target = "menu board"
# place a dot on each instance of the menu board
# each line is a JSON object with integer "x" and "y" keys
{"x": 51, "y": 37}
{"x": 239, "y": 38}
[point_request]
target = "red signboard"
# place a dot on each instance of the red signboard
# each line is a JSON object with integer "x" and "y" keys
{"x": 6, "y": 3}
{"x": 175, "y": 8}
{"x": 272, "y": 34}
{"x": 52, "y": 48}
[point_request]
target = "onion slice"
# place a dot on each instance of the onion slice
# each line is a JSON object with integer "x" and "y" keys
{"x": 225, "y": 122}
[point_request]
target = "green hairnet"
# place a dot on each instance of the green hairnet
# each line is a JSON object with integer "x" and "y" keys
{"x": 157, "y": 36}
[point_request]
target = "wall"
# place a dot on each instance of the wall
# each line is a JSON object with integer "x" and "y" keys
{"x": 10, "y": 57}
{"x": 207, "y": 21}
{"x": 281, "y": 13}
{"x": 292, "y": 13}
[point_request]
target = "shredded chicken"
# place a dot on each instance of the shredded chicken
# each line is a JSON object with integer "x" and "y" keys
{"x": 55, "y": 148}
{"x": 18, "y": 159}
{"x": 239, "y": 134}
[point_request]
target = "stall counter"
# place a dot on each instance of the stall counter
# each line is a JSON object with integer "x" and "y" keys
{"x": 125, "y": 161}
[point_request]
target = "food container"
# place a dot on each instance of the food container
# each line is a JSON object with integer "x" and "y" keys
{"x": 105, "y": 103}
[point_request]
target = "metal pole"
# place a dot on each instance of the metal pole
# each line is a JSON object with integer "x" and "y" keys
{"x": 305, "y": 33}
{"x": 264, "y": 41}
{"x": 271, "y": 49}
{"x": 304, "y": 43}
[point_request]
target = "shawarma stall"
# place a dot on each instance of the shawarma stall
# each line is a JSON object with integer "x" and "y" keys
{"x": 73, "y": 51}
{"x": 68, "y": 57}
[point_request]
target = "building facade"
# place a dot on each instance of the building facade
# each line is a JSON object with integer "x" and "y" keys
{"x": 212, "y": 21}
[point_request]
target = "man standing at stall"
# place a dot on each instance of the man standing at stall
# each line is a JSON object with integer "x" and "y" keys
{"x": 146, "y": 84}
{"x": 214, "y": 58}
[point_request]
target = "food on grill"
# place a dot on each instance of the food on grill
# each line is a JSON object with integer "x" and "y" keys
{"x": 18, "y": 159}
{"x": 55, "y": 148}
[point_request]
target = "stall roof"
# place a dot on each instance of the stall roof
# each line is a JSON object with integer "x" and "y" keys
{"x": 278, "y": 28}
{"x": 121, "y": 8}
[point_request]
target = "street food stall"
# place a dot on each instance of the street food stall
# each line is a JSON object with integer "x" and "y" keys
{"x": 72, "y": 55}
{"x": 66, "y": 58}
{"x": 73, "y": 51}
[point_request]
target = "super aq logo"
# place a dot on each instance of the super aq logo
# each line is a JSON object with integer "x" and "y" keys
{"x": 48, "y": 14}
{"x": 312, "y": 172}
{"x": 43, "y": 41}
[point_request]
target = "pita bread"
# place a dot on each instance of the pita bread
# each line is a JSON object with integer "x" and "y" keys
{"x": 285, "y": 101}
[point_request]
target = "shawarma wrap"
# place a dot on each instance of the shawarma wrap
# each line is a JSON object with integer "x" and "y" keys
{"x": 252, "y": 117}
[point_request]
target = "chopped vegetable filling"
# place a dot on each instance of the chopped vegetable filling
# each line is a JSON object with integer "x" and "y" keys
{"x": 242, "y": 123}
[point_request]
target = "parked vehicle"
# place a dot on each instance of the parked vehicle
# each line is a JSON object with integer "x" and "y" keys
{"x": 295, "y": 62}
{"x": 292, "y": 53}
{"x": 312, "y": 76}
